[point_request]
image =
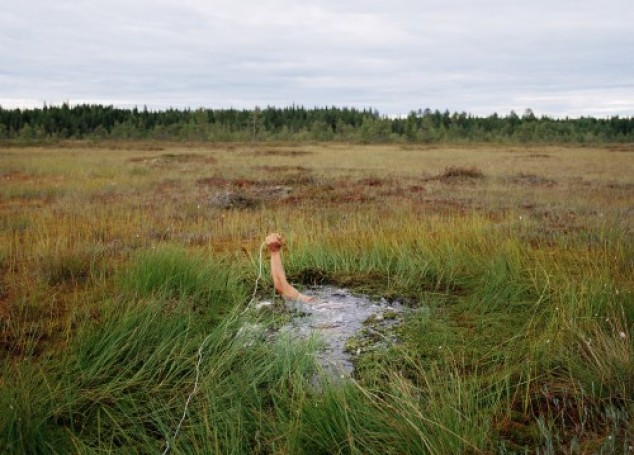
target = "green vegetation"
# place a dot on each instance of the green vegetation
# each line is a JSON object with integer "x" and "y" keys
{"x": 296, "y": 123}
{"x": 119, "y": 259}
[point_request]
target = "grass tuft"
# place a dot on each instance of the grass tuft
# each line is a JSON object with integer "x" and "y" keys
{"x": 72, "y": 268}
{"x": 170, "y": 272}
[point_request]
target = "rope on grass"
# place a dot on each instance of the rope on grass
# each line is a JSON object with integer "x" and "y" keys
{"x": 200, "y": 358}
{"x": 257, "y": 280}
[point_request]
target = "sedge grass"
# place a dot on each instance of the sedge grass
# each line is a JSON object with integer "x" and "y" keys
{"x": 519, "y": 339}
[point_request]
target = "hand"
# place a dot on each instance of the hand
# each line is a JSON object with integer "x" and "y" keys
{"x": 274, "y": 242}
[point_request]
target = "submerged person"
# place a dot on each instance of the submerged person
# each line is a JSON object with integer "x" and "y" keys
{"x": 274, "y": 243}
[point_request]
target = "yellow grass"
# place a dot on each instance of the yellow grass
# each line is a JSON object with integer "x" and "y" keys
{"x": 110, "y": 198}
{"x": 560, "y": 218}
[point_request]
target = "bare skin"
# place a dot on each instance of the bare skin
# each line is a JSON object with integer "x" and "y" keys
{"x": 274, "y": 243}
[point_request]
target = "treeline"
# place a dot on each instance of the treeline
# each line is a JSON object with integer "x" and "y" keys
{"x": 296, "y": 123}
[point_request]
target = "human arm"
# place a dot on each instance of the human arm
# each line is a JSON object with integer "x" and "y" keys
{"x": 274, "y": 243}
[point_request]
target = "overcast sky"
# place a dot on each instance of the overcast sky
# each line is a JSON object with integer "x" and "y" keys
{"x": 557, "y": 57}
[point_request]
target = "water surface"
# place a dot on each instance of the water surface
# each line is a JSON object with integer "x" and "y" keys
{"x": 336, "y": 316}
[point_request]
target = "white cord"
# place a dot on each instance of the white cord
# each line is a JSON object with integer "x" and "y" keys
{"x": 200, "y": 359}
{"x": 189, "y": 398}
{"x": 257, "y": 280}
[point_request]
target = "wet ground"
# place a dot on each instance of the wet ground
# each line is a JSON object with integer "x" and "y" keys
{"x": 339, "y": 319}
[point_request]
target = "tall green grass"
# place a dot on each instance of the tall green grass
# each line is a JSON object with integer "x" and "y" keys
{"x": 548, "y": 334}
{"x": 210, "y": 285}
{"x": 122, "y": 387}
{"x": 513, "y": 350}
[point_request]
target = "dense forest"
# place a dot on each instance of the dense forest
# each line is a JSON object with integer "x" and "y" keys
{"x": 296, "y": 123}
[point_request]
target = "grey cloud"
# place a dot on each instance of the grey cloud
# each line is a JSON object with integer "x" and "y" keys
{"x": 557, "y": 57}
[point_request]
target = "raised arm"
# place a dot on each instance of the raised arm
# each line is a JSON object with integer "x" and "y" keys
{"x": 274, "y": 243}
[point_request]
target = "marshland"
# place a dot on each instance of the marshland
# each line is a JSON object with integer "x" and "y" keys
{"x": 514, "y": 263}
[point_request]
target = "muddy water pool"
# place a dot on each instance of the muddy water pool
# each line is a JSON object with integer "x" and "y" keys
{"x": 341, "y": 321}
